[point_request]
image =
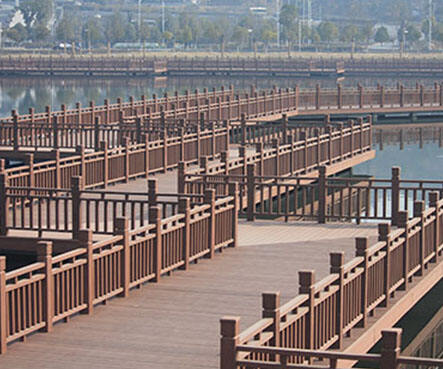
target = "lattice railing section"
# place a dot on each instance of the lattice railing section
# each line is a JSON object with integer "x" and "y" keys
{"x": 326, "y": 311}
{"x": 319, "y": 197}
{"x": 226, "y": 104}
{"x": 148, "y": 236}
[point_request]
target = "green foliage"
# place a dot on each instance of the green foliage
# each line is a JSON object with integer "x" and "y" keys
{"x": 18, "y": 33}
{"x": 36, "y": 13}
{"x": 67, "y": 29}
{"x": 327, "y": 31}
{"x": 381, "y": 35}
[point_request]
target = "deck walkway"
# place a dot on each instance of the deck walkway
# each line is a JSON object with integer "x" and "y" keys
{"x": 175, "y": 323}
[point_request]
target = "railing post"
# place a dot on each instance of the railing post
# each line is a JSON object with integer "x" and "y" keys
{"x": 4, "y": 204}
{"x": 251, "y": 192}
{"x": 146, "y": 141}
{"x": 322, "y": 194}
{"x": 419, "y": 208}
{"x": 155, "y": 219}
{"x": 127, "y": 159}
{"x": 284, "y": 121}
{"x": 317, "y": 96}
{"x": 184, "y": 207}
{"x": 55, "y": 143}
{"x": 233, "y": 191}
{"x": 44, "y": 255}
{"x": 433, "y": 203}
{"x": 337, "y": 260}
{"x": 15, "y": 127}
{"x": 339, "y": 96}
{"x": 391, "y": 347}
{"x": 76, "y": 188}
{"x": 121, "y": 228}
{"x": 307, "y": 280}
{"x": 271, "y": 309}
{"x": 210, "y": 200}
{"x": 243, "y": 129}
{"x": 362, "y": 245}
{"x": 29, "y": 160}
{"x": 384, "y": 235}
{"x": 228, "y": 343}
{"x": 152, "y": 191}
{"x": 403, "y": 223}
{"x": 3, "y": 306}
{"x": 97, "y": 133}
{"x": 138, "y": 130}
{"x": 85, "y": 241}
{"x": 181, "y": 178}
{"x": 104, "y": 148}
{"x": 395, "y": 194}
{"x": 57, "y": 175}
{"x": 80, "y": 151}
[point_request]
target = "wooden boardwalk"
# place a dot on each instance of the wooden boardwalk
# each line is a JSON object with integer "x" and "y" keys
{"x": 175, "y": 323}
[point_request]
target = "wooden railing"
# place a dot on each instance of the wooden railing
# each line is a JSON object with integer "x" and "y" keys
{"x": 51, "y": 210}
{"x": 293, "y": 158}
{"x": 108, "y": 166}
{"x": 35, "y": 297}
{"x": 279, "y": 358}
{"x": 320, "y": 197}
{"x": 325, "y": 311}
{"x": 226, "y": 105}
{"x": 118, "y": 64}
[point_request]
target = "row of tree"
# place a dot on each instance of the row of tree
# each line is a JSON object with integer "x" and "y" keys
{"x": 192, "y": 31}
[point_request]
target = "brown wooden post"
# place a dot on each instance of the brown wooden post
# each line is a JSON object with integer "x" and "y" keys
{"x": 210, "y": 200}
{"x": 4, "y": 204}
{"x": 360, "y": 96}
{"x": 419, "y": 208}
{"x": 307, "y": 281}
{"x": 362, "y": 245}
{"x": 233, "y": 191}
{"x": 146, "y": 141}
{"x": 31, "y": 115}
{"x": 3, "y": 306}
{"x": 229, "y": 327}
{"x": 44, "y": 255}
{"x": 251, "y": 192}
{"x": 57, "y": 179}
{"x": 107, "y": 112}
{"x": 184, "y": 207}
{"x": 403, "y": 223}
{"x": 384, "y": 235}
{"x": 121, "y": 228}
{"x": 284, "y": 121}
{"x": 322, "y": 193}
{"x": 181, "y": 186}
{"x": 337, "y": 260}
{"x": 276, "y": 147}
{"x": 152, "y": 191}
{"x": 78, "y": 107}
{"x": 271, "y": 309}
{"x": 92, "y": 107}
{"x": 155, "y": 219}
{"x": 382, "y": 96}
{"x": 391, "y": 347}
{"x": 48, "y": 113}
{"x": 138, "y": 130}
{"x": 80, "y": 150}
{"x": 29, "y": 160}
{"x": 85, "y": 241}
{"x": 352, "y": 138}
{"x": 104, "y": 148}
{"x": 76, "y": 188}
{"x": 330, "y": 144}
{"x": 127, "y": 158}
{"x": 55, "y": 138}
{"x": 395, "y": 195}
{"x": 433, "y": 203}
{"x": 16, "y": 130}
{"x": 243, "y": 129}
{"x": 402, "y": 96}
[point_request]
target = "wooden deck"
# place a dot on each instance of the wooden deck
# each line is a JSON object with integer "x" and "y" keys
{"x": 175, "y": 323}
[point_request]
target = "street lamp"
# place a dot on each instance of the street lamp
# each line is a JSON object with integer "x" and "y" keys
{"x": 405, "y": 32}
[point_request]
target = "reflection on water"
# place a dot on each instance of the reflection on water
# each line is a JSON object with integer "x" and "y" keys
{"x": 424, "y": 163}
{"x": 38, "y": 92}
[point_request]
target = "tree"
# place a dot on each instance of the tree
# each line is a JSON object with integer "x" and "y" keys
{"x": 36, "y": 12}
{"x": 18, "y": 33}
{"x": 381, "y": 35}
{"x": 92, "y": 32}
{"x": 114, "y": 28}
{"x": 67, "y": 28}
{"x": 240, "y": 35}
{"x": 349, "y": 33}
{"x": 327, "y": 31}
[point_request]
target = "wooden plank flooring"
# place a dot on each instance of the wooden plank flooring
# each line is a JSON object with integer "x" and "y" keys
{"x": 175, "y": 323}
